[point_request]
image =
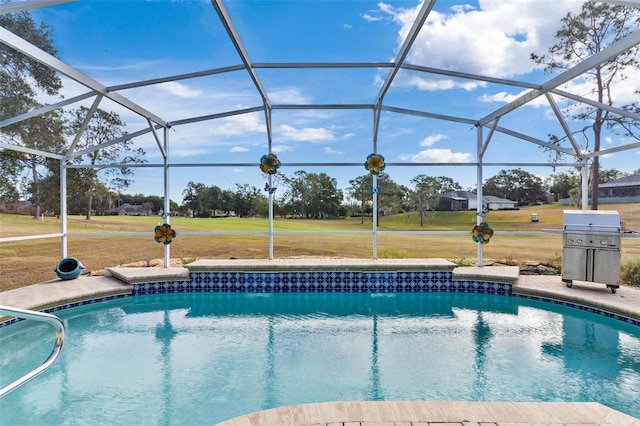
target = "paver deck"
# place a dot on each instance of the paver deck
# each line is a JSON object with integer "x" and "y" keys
{"x": 436, "y": 413}
{"x": 626, "y": 302}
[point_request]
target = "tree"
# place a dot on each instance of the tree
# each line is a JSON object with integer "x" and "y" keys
{"x": 103, "y": 127}
{"x": 227, "y": 201}
{"x": 191, "y": 197}
{"x": 561, "y": 184}
{"x": 517, "y": 185}
{"x": 43, "y": 133}
{"x": 246, "y": 199}
{"x": 428, "y": 190}
{"x": 293, "y": 198}
{"x": 18, "y": 72}
{"x": 9, "y": 169}
{"x": 359, "y": 190}
{"x": 322, "y": 195}
{"x": 310, "y": 195}
{"x": 390, "y": 194}
{"x": 21, "y": 79}
{"x": 609, "y": 175}
{"x": 582, "y": 35}
{"x": 202, "y": 200}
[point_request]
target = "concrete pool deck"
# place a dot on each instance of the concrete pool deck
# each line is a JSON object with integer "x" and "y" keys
{"x": 625, "y": 302}
{"x": 119, "y": 280}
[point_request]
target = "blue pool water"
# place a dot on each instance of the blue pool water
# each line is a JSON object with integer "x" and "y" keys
{"x": 200, "y": 358}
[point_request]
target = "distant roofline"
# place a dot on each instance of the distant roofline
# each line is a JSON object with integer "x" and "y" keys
{"x": 631, "y": 180}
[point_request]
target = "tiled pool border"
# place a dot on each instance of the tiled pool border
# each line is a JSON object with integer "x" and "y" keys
{"x": 323, "y": 282}
{"x": 328, "y": 282}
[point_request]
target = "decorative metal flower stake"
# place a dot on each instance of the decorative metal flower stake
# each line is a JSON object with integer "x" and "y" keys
{"x": 269, "y": 164}
{"x": 375, "y": 163}
{"x": 164, "y": 234}
{"x": 482, "y": 233}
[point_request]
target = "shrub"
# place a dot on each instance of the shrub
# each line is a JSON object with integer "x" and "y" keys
{"x": 390, "y": 253}
{"x": 463, "y": 262}
{"x": 630, "y": 272}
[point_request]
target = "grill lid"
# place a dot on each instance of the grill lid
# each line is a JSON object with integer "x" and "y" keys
{"x": 592, "y": 221}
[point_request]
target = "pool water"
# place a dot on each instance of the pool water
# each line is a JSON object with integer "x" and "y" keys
{"x": 201, "y": 358}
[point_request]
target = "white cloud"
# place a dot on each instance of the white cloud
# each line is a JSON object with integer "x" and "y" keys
{"x": 143, "y": 65}
{"x": 179, "y": 90}
{"x": 237, "y": 125}
{"x": 289, "y": 95}
{"x": 462, "y": 8}
{"x": 371, "y": 18}
{"x": 329, "y": 150}
{"x": 239, "y": 149}
{"x": 623, "y": 92}
{"x": 494, "y": 40}
{"x": 438, "y": 83}
{"x": 438, "y": 156}
{"x": 500, "y": 97}
{"x": 400, "y": 131}
{"x": 281, "y": 148}
{"x": 505, "y": 97}
{"x": 386, "y": 8}
{"x": 307, "y": 134}
{"x": 431, "y": 139}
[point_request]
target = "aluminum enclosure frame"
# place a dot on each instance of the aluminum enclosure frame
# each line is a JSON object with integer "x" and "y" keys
{"x": 485, "y": 126}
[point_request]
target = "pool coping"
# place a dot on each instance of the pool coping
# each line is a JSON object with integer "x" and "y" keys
{"x": 120, "y": 282}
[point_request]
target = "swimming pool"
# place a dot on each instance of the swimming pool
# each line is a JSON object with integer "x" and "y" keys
{"x": 200, "y": 358}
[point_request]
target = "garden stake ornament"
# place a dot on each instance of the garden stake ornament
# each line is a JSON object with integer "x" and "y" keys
{"x": 482, "y": 233}
{"x": 269, "y": 164}
{"x": 375, "y": 163}
{"x": 164, "y": 234}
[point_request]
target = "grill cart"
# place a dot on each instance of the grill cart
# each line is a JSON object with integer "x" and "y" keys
{"x": 591, "y": 247}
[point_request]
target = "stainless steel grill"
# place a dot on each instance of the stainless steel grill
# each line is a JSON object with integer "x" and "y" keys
{"x": 591, "y": 248}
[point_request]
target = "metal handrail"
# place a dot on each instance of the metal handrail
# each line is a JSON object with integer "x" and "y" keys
{"x": 57, "y": 347}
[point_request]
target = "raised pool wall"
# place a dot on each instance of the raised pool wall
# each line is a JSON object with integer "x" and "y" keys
{"x": 322, "y": 275}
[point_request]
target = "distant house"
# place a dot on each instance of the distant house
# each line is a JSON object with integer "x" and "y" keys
{"x": 130, "y": 210}
{"x": 224, "y": 213}
{"x": 465, "y": 200}
{"x": 385, "y": 211}
{"x": 623, "y": 190}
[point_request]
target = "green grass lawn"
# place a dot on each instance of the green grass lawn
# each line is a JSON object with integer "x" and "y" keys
{"x": 29, "y": 261}
{"x": 508, "y": 220}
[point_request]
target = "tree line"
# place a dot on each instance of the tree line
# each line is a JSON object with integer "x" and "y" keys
{"x": 317, "y": 196}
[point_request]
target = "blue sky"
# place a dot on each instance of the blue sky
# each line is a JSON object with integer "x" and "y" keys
{"x": 118, "y": 42}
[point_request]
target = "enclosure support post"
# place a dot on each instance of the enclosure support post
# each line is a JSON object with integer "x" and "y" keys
{"x": 267, "y": 117}
{"x": 479, "y": 206}
{"x": 270, "y": 217}
{"x": 63, "y": 208}
{"x": 585, "y": 184}
{"x": 374, "y": 195}
{"x": 374, "y": 178}
{"x": 167, "y": 200}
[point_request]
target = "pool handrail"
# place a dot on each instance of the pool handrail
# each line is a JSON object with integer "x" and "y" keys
{"x": 57, "y": 347}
